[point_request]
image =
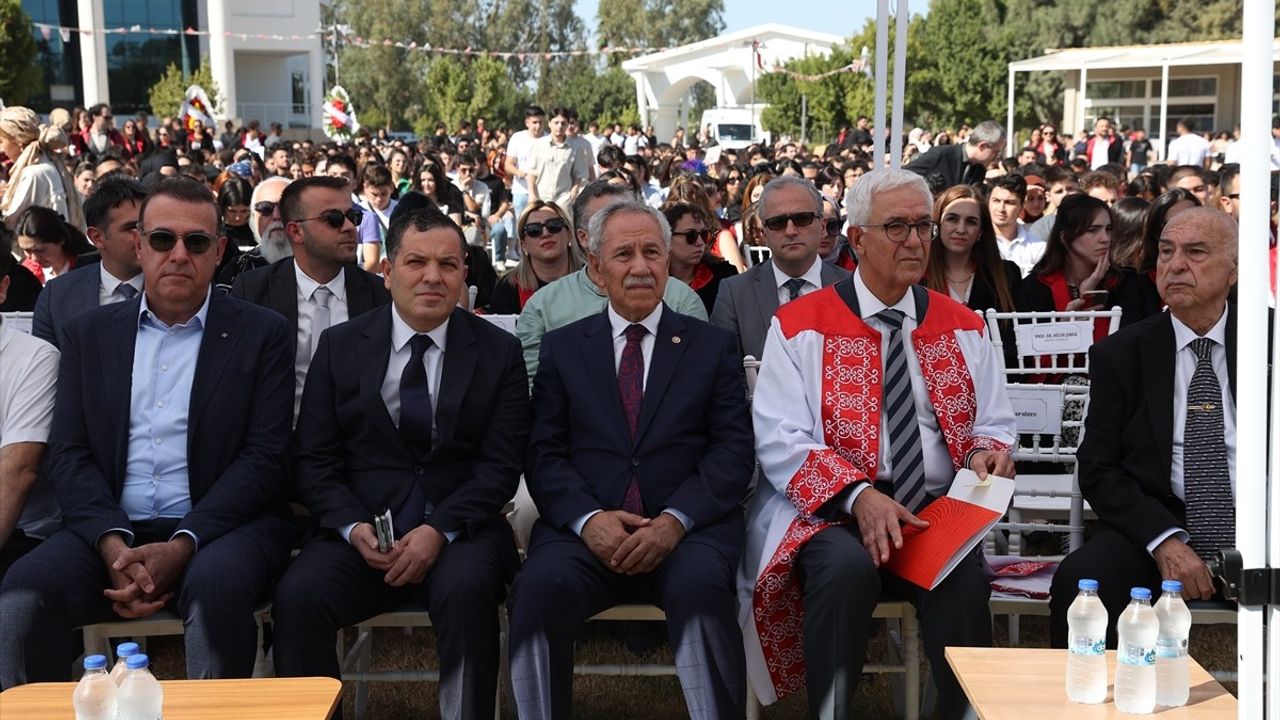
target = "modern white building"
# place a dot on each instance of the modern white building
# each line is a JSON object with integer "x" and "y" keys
{"x": 266, "y": 56}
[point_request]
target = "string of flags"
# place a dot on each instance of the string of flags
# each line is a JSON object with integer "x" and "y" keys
{"x": 47, "y": 31}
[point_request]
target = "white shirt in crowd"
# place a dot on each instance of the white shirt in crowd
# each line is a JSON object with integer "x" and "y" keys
{"x": 520, "y": 147}
{"x": 1024, "y": 250}
{"x": 28, "y": 388}
{"x": 812, "y": 281}
{"x": 1189, "y": 149}
{"x": 109, "y": 286}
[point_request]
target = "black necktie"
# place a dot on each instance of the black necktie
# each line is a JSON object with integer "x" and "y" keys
{"x": 415, "y": 398}
{"x": 1206, "y": 475}
{"x": 793, "y": 286}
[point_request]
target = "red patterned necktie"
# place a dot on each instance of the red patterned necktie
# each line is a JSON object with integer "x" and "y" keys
{"x": 631, "y": 390}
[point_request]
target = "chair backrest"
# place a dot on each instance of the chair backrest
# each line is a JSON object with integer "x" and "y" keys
{"x": 758, "y": 254}
{"x": 1050, "y": 420}
{"x": 1048, "y": 343}
{"x": 506, "y": 322}
{"x": 751, "y": 368}
{"x": 20, "y": 321}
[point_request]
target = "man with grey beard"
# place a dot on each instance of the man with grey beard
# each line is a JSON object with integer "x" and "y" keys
{"x": 267, "y": 229}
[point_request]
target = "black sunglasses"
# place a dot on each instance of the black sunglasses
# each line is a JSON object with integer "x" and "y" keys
{"x": 693, "y": 236}
{"x": 779, "y": 222}
{"x": 264, "y": 207}
{"x": 834, "y": 225}
{"x": 552, "y": 226}
{"x": 335, "y": 218}
{"x": 197, "y": 243}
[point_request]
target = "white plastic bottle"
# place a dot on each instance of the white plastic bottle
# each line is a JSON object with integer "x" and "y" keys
{"x": 1087, "y": 646}
{"x": 1172, "y": 683}
{"x": 1136, "y": 657}
{"x": 141, "y": 697}
{"x": 95, "y": 696}
{"x": 123, "y": 652}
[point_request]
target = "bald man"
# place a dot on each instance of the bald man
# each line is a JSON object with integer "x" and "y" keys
{"x": 1158, "y": 460}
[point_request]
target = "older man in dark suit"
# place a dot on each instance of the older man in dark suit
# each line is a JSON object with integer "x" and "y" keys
{"x": 112, "y": 215}
{"x": 1157, "y": 463}
{"x": 962, "y": 163}
{"x": 422, "y": 409}
{"x": 321, "y": 285}
{"x": 791, "y": 209}
{"x": 168, "y": 443}
{"x": 639, "y": 456}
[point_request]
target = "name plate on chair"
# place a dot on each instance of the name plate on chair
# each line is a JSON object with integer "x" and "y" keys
{"x": 1071, "y": 336}
{"x": 1038, "y": 410}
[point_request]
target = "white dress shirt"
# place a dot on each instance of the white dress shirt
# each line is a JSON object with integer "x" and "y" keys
{"x": 618, "y": 326}
{"x": 1185, "y": 361}
{"x": 307, "y": 336}
{"x": 812, "y": 281}
{"x": 1024, "y": 250}
{"x": 108, "y": 284}
{"x": 28, "y": 387}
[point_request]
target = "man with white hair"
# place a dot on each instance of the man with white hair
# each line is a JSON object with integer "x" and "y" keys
{"x": 872, "y": 393}
{"x": 267, "y": 228}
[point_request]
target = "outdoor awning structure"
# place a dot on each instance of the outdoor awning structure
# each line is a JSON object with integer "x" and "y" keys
{"x": 1224, "y": 52}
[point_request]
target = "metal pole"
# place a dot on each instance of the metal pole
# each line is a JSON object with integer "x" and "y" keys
{"x": 882, "y": 80}
{"x": 1008, "y": 122}
{"x": 899, "y": 85}
{"x": 1257, "y": 540}
{"x": 804, "y": 119}
{"x": 755, "y": 55}
{"x": 1080, "y": 109}
{"x": 1164, "y": 110}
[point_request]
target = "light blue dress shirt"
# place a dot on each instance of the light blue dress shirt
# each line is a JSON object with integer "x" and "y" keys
{"x": 156, "y": 483}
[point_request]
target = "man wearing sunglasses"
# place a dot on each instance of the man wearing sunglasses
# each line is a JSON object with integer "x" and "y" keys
{"x": 321, "y": 285}
{"x": 872, "y": 393}
{"x": 420, "y": 410}
{"x": 791, "y": 208}
{"x": 169, "y": 442}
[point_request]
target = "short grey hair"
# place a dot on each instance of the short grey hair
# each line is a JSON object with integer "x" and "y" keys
{"x": 987, "y": 131}
{"x": 861, "y": 196}
{"x": 595, "y": 227}
{"x": 790, "y": 181}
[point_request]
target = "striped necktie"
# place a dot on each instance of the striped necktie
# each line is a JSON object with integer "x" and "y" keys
{"x": 1206, "y": 475}
{"x": 900, "y": 414}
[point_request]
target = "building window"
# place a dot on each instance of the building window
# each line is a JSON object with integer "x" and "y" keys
{"x": 135, "y": 61}
{"x": 58, "y": 59}
{"x": 1136, "y": 103}
{"x": 299, "y": 83}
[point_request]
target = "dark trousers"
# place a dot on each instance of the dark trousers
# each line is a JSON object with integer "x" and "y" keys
{"x": 330, "y": 586}
{"x": 841, "y": 587}
{"x": 1117, "y": 564}
{"x": 562, "y": 584}
{"x": 58, "y": 587}
{"x": 18, "y": 545}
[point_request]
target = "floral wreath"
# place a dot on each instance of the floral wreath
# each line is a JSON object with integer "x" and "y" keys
{"x": 339, "y": 120}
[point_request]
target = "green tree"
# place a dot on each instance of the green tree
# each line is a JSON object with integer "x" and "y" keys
{"x": 166, "y": 96}
{"x": 21, "y": 76}
{"x": 603, "y": 96}
{"x": 460, "y": 90}
{"x": 657, "y": 23}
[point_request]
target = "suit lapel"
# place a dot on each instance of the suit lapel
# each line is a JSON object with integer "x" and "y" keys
{"x": 1159, "y": 361}
{"x": 766, "y": 293}
{"x": 115, "y": 354}
{"x": 283, "y": 291}
{"x": 223, "y": 328}
{"x": 460, "y": 356}
{"x": 374, "y": 352}
{"x": 668, "y": 348}
{"x": 597, "y": 350}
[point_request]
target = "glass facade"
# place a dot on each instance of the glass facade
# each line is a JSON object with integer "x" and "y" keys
{"x": 58, "y": 58}
{"x": 135, "y": 61}
{"x": 1136, "y": 103}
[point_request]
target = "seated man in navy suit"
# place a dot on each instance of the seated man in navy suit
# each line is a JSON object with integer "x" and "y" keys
{"x": 639, "y": 456}
{"x": 421, "y": 408}
{"x": 112, "y": 215}
{"x": 169, "y": 440}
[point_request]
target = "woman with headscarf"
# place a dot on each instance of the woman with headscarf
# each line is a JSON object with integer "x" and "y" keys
{"x": 38, "y": 177}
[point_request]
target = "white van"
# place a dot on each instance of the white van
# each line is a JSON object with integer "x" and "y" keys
{"x": 735, "y": 128}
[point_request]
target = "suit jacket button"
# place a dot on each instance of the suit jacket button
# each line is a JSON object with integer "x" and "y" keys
{"x": 418, "y": 470}
{"x": 635, "y": 462}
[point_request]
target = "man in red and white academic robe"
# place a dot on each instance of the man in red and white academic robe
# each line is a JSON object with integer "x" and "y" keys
{"x": 835, "y": 488}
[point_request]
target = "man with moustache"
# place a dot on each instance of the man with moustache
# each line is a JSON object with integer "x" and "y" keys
{"x": 421, "y": 409}
{"x": 267, "y": 228}
{"x": 320, "y": 285}
{"x": 112, "y": 215}
{"x": 872, "y": 394}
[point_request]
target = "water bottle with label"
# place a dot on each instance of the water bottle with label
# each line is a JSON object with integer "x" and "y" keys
{"x": 95, "y": 695}
{"x": 124, "y": 651}
{"x": 1087, "y": 646}
{"x": 141, "y": 697}
{"x": 1136, "y": 657}
{"x": 1172, "y": 683}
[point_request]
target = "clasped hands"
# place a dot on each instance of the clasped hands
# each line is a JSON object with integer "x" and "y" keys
{"x": 630, "y": 544}
{"x": 408, "y": 561}
{"x": 143, "y": 578}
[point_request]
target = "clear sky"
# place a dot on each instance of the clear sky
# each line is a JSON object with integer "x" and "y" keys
{"x": 842, "y": 17}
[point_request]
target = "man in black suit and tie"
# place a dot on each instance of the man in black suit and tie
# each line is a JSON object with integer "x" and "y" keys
{"x": 321, "y": 285}
{"x": 962, "y": 163}
{"x": 169, "y": 439}
{"x": 112, "y": 215}
{"x": 1157, "y": 463}
{"x": 791, "y": 208}
{"x": 422, "y": 409}
{"x": 639, "y": 456}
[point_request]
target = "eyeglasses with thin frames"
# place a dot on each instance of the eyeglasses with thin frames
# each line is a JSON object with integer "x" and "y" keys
{"x": 899, "y": 230}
